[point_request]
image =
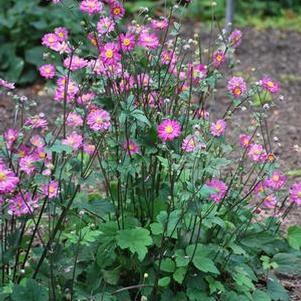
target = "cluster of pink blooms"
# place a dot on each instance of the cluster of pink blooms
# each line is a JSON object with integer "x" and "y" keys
{"x": 57, "y": 40}
{"x": 75, "y": 63}
{"x": 66, "y": 87}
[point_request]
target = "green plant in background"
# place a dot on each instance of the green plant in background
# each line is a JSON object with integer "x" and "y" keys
{"x": 21, "y": 25}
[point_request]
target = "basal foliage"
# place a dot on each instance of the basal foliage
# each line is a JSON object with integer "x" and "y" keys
{"x": 134, "y": 192}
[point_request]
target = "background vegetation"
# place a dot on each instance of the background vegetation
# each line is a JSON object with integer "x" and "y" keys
{"x": 22, "y": 23}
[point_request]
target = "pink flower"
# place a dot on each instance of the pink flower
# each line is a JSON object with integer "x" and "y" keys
{"x": 110, "y": 53}
{"x": 74, "y": 120}
{"x": 75, "y": 63}
{"x": 270, "y": 201}
{"x": 68, "y": 86}
{"x": 218, "y": 128}
{"x": 62, "y": 33}
{"x": 127, "y": 42}
{"x": 37, "y": 141}
{"x": 131, "y": 147}
{"x": 235, "y": 38}
{"x": 105, "y": 25}
{"x": 197, "y": 72}
{"x": 237, "y": 86}
{"x": 51, "y": 189}
{"x": 91, "y": 6}
{"x": 27, "y": 164}
{"x": 270, "y": 85}
{"x": 51, "y": 41}
{"x": 41, "y": 154}
{"x": 117, "y": 10}
{"x": 295, "y": 193}
{"x": 259, "y": 188}
{"x": 276, "y": 181}
{"x": 148, "y": 40}
{"x": 257, "y": 153}
{"x": 89, "y": 149}
{"x": 86, "y": 98}
{"x": 218, "y": 58}
{"x": 191, "y": 144}
{"x": 159, "y": 24}
{"x": 244, "y": 140}
{"x": 220, "y": 187}
{"x": 8, "y": 180}
{"x": 169, "y": 130}
{"x": 22, "y": 151}
{"x": 99, "y": 120}
{"x": 203, "y": 114}
{"x": 73, "y": 140}
{"x": 47, "y": 71}
{"x": 7, "y": 85}
{"x": 37, "y": 122}
{"x": 10, "y": 136}
{"x": 168, "y": 57}
{"x": 22, "y": 204}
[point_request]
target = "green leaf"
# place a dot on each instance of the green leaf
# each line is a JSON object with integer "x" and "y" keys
{"x": 136, "y": 240}
{"x": 196, "y": 295}
{"x": 59, "y": 148}
{"x": 168, "y": 265}
{"x": 32, "y": 291}
{"x": 34, "y": 55}
{"x": 112, "y": 276}
{"x": 179, "y": 274}
{"x": 294, "y": 237}
{"x": 276, "y": 290}
{"x": 164, "y": 281}
{"x": 201, "y": 259}
{"x": 139, "y": 115}
{"x": 156, "y": 228}
{"x": 288, "y": 263}
{"x": 260, "y": 295}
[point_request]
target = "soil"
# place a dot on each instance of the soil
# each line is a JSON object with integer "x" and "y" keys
{"x": 273, "y": 52}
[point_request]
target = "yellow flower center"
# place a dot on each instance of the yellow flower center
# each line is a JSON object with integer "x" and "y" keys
{"x": 191, "y": 143}
{"x": 219, "y": 58}
{"x": 117, "y": 11}
{"x": 131, "y": 147}
{"x": 91, "y": 4}
{"x": 169, "y": 129}
{"x": 126, "y": 42}
{"x": 218, "y": 126}
{"x": 42, "y": 155}
{"x": 98, "y": 120}
{"x": 109, "y": 54}
{"x": 237, "y": 91}
{"x": 2, "y": 176}
{"x": 299, "y": 194}
{"x": 275, "y": 178}
{"x": 51, "y": 189}
{"x": 50, "y": 39}
{"x": 270, "y": 84}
